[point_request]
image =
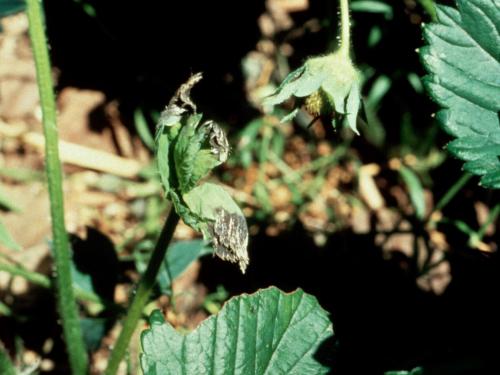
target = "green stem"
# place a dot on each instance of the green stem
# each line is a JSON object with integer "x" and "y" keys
{"x": 450, "y": 194}
{"x": 430, "y": 8}
{"x": 491, "y": 218}
{"x": 142, "y": 292}
{"x": 65, "y": 297}
{"x": 345, "y": 28}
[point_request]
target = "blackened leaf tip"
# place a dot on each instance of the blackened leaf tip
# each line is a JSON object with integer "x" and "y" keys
{"x": 230, "y": 238}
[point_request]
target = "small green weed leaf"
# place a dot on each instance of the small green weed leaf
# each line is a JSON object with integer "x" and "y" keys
{"x": 415, "y": 190}
{"x": 332, "y": 76}
{"x": 7, "y": 240}
{"x": 81, "y": 280}
{"x": 7, "y": 204}
{"x": 179, "y": 256}
{"x": 269, "y": 332}
{"x": 88, "y": 275}
{"x": 463, "y": 62}
{"x": 141, "y": 126}
{"x": 262, "y": 196}
{"x": 6, "y": 366}
{"x": 94, "y": 329}
{"x": 370, "y": 6}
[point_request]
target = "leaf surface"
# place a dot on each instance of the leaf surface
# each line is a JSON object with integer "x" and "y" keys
{"x": 463, "y": 62}
{"x": 268, "y": 332}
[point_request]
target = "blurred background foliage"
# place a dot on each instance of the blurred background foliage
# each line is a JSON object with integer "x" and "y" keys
{"x": 408, "y": 272}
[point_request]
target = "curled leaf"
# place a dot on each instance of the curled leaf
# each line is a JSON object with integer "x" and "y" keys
{"x": 218, "y": 141}
{"x": 222, "y": 222}
{"x": 187, "y": 149}
{"x": 179, "y": 102}
{"x": 332, "y": 77}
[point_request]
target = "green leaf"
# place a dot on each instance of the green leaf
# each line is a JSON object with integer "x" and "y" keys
{"x": 184, "y": 212}
{"x": 204, "y": 200}
{"x": 141, "y": 126}
{"x": 7, "y": 204}
{"x": 6, "y": 366}
{"x": 352, "y": 107}
{"x": 94, "y": 329}
{"x": 163, "y": 159}
{"x": 179, "y": 256}
{"x": 415, "y": 190}
{"x": 197, "y": 151}
{"x": 8, "y": 7}
{"x": 287, "y": 88}
{"x": 269, "y": 332}
{"x": 203, "y": 163}
{"x": 187, "y": 146}
{"x": 81, "y": 280}
{"x": 7, "y": 240}
{"x": 370, "y": 6}
{"x": 463, "y": 61}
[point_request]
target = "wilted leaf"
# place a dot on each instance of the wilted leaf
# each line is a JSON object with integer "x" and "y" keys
{"x": 187, "y": 151}
{"x": 179, "y": 103}
{"x": 223, "y": 222}
{"x": 463, "y": 61}
{"x": 268, "y": 332}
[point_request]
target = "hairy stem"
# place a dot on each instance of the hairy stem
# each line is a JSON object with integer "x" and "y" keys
{"x": 65, "y": 297}
{"x": 142, "y": 292}
{"x": 345, "y": 28}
